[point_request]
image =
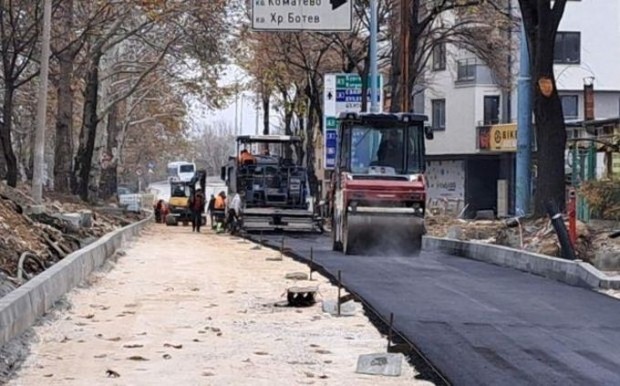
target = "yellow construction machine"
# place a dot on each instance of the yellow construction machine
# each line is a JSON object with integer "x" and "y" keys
{"x": 180, "y": 193}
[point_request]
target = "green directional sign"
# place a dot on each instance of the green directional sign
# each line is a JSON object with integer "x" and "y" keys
{"x": 351, "y": 81}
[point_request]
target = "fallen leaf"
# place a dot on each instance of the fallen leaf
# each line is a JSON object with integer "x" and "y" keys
{"x": 137, "y": 358}
{"x": 177, "y": 346}
{"x": 133, "y": 346}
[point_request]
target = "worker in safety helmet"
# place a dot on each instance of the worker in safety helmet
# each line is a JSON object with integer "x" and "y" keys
{"x": 220, "y": 208}
{"x": 245, "y": 157}
{"x": 197, "y": 208}
{"x": 233, "y": 213}
{"x": 210, "y": 208}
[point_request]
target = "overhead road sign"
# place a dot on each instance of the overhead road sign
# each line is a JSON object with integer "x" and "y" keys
{"x": 302, "y": 15}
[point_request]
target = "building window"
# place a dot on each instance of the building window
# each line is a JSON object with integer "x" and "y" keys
{"x": 439, "y": 57}
{"x": 491, "y": 110}
{"x": 466, "y": 69}
{"x": 439, "y": 114}
{"x": 569, "y": 106}
{"x": 567, "y": 48}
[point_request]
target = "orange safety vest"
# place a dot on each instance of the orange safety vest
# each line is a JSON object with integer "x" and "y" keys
{"x": 219, "y": 203}
{"x": 246, "y": 157}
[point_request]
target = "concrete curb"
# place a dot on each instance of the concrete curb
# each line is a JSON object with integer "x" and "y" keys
{"x": 23, "y": 306}
{"x": 575, "y": 273}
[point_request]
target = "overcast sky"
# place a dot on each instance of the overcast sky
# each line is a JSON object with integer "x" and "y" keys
{"x": 246, "y": 109}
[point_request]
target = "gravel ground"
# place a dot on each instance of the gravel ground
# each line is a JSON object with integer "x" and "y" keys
{"x": 198, "y": 309}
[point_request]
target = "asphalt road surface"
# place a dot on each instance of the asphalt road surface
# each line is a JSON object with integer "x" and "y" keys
{"x": 482, "y": 324}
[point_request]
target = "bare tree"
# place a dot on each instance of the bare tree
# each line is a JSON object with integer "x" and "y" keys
{"x": 541, "y": 19}
{"x": 19, "y": 31}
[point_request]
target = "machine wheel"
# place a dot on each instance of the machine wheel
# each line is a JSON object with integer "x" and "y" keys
{"x": 336, "y": 245}
{"x": 347, "y": 247}
{"x": 171, "y": 220}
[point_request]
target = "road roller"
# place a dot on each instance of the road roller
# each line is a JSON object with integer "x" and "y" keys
{"x": 378, "y": 189}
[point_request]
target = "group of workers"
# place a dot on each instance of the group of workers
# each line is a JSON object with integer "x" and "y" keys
{"x": 220, "y": 217}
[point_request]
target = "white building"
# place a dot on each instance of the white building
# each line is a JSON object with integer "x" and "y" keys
{"x": 464, "y": 106}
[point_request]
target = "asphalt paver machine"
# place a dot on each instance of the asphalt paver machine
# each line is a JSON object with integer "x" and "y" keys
{"x": 273, "y": 185}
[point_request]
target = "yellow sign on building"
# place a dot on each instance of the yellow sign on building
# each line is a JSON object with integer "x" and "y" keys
{"x": 504, "y": 137}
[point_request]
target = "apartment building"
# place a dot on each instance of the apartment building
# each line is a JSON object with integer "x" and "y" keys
{"x": 472, "y": 158}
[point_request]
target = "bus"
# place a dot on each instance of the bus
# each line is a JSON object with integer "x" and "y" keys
{"x": 181, "y": 171}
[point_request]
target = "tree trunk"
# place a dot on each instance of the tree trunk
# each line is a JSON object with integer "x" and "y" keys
{"x": 395, "y": 59}
{"x": 5, "y": 136}
{"x": 63, "y": 150}
{"x": 314, "y": 114}
{"x": 365, "y": 86}
{"x": 64, "y": 126}
{"x": 550, "y": 132}
{"x": 266, "y": 96}
{"x": 109, "y": 175}
{"x": 88, "y": 131}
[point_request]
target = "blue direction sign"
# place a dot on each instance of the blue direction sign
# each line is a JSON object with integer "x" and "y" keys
{"x": 342, "y": 93}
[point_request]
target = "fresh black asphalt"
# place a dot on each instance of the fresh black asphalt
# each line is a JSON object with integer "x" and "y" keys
{"x": 482, "y": 324}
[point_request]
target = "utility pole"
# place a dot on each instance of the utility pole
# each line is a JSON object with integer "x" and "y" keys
{"x": 257, "y": 114}
{"x": 405, "y": 14}
{"x": 236, "y": 107}
{"x": 374, "y": 67}
{"x": 39, "y": 148}
{"x": 524, "y": 131}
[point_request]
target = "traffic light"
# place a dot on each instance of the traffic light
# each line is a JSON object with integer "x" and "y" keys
{"x": 337, "y": 3}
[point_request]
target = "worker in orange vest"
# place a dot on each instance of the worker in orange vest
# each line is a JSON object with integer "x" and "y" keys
{"x": 245, "y": 157}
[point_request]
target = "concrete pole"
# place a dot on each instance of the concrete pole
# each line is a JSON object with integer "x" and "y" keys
{"x": 524, "y": 131}
{"x": 257, "y": 114}
{"x": 241, "y": 115}
{"x": 236, "y": 108}
{"x": 374, "y": 67}
{"x": 39, "y": 141}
